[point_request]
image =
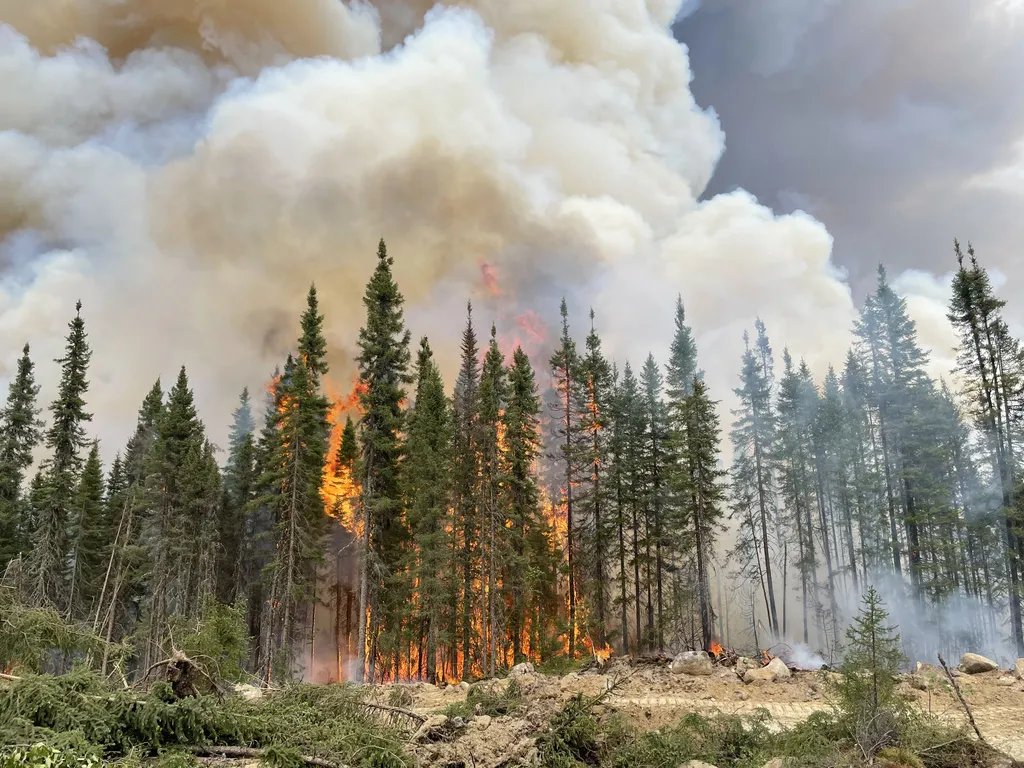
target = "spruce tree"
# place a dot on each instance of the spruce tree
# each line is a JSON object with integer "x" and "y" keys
{"x": 425, "y": 479}
{"x": 383, "y": 373}
{"x": 565, "y": 374}
{"x": 529, "y": 569}
{"x": 20, "y": 432}
{"x": 65, "y": 439}
{"x": 654, "y": 471}
{"x": 240, "y": 488}
{"x": 466, "y": 484}
{"x": 701, "y": 492}
{"x": 493, "y": 386}
{"x": 94, "y": 535}
{"x": 594, "y": 500}
{"x": 293, "y": 478}
{"x": 753, "y": 434}
{"x": 992, "y": 372}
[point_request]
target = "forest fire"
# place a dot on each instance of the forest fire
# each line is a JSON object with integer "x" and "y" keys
{"x": 716, "y": 649}
{"x": 339, "y": 489}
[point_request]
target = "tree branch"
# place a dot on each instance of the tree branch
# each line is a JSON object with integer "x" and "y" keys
{"x": 963, "y": 702}
{"x": 243, "y": 752}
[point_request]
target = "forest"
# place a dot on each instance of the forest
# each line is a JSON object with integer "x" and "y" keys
{"x": 531, "y": 510}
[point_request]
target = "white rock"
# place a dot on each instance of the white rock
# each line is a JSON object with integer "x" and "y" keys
{"x": 524, "y": 668}
{"x": 1006, "y": 681}
{"x": 692, "y": 663}
{"x": 465, "y": 686}
{"x": 1018, "y": 669}
{"x": 973, "y": 664}
{"x": 696, "y": 764}
{"x": 248, "y": 692}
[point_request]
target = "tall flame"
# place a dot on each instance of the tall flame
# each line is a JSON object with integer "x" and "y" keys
{"x": 340, "y": 489}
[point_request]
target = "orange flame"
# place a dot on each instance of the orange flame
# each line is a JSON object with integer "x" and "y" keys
{"x": 716, "y": 648}
{"x": 339, "y": 489}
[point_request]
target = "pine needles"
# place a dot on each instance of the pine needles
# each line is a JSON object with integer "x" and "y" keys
{"x": 80, "y": 717}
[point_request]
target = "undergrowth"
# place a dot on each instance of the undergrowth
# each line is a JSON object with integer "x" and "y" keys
{"x": 84, "y": 721}
{"x": 488, "y": 698}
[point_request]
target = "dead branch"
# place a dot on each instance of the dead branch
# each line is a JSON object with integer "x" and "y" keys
{"x": 963, "y": 701}
{"x": 251, "y": 752}
{"x": 397, "y": 711}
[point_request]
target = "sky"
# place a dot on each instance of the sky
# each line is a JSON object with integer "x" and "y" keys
{"x": 899, "y": 124}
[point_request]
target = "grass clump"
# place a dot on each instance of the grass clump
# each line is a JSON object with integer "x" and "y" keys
{"x": 488, "y": 698}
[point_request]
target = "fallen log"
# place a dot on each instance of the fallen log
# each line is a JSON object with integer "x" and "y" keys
{"x": 252, "y": 752}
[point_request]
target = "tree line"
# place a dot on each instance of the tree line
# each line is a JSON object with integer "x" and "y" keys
{"x": 528, "y": 517}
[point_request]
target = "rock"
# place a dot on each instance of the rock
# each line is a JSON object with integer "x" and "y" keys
{"x": 1006, "y": 681}
{"x": 778, "y": 666}
{"x": 743, "y": 663}
{"x": 696, "y": 764}
{"x": 465, "y": 686}
{"x": 779, "y": 762}
{"x": 973, "y": 664}
{"x": 918, "y": 682}
{"x": 740, "y": 694}
{"x": 482, "y": 722}
{"x": 433, "y": 729}
{"x": 1018, "y": 669}
{"x": 758, "y": 676}
{"x": 248, "y": 692}
{"x": 692, "y": 663}
{"x": 525, "y": 668}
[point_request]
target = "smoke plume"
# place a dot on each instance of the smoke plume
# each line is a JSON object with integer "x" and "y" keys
{"x": 187, "y": 169}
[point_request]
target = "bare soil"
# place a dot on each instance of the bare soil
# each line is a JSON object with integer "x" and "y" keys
{"x": 652, "y": 697}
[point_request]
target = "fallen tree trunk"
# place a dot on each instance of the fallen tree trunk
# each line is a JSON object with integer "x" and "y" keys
{"x": 243, "y": 752}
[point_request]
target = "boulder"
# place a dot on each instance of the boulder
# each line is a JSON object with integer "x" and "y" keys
{"x": 248, "y": 692}
{"x": 762, "y": 675}
{"x": 525, "y": 668}
{"x": 743, "y": 663}
{"x": 1018, "y": 669}
{"x": 692, "y": 663}
{"x": 1007, "y": 681}
{"x": 778, "y": 666}
{"x": 779, "y": 762}
{"x": 973, "y": 664}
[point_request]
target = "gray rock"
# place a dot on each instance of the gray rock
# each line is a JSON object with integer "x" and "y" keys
{"x": 692, "y": 663}
{"x": 778, "y": 666}
{"x": 973, "y": 664}
{"x": 1006, "y": 681}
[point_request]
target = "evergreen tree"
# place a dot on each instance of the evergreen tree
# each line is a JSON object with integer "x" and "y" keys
{"x": 992, "y": 371}
{"x": 529, "y": 568}
{"x": 240, "y": 487}
{"x": 493, "y": 387}
{"x": 348, "y": 450}
{"x": 701, "y": 491}
{"x": 466, "y": 484}
{"x": 65, "y": 439}
{"x": 425, "y": 475}
{"x": 20, "y": 432}
{"x": 653, "y": 471}
{"x": 93, "y": 536}
{"x": 753, "y": 435}
{"x": 383, "y": 372}
{"x": 594, "y": 501}
{"x": 294, "y": 477}
{"x": 565, "y": 374}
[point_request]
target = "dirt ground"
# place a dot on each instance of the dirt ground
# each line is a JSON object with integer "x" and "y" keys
{"x": 653, "y": 697}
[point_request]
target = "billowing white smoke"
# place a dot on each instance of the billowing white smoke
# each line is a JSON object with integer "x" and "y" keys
{"x": 188, "y": 168}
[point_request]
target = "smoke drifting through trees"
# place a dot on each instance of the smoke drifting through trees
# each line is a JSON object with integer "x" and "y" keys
{"x": 879, "y": 476}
